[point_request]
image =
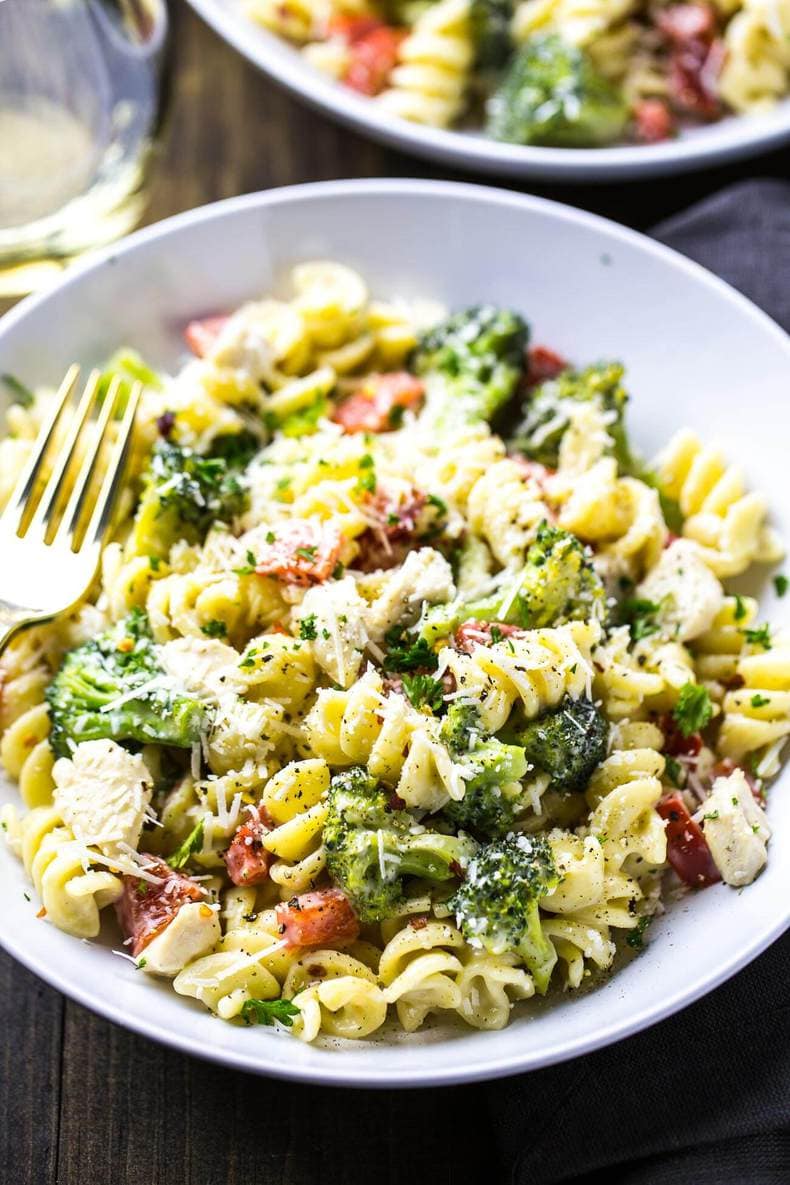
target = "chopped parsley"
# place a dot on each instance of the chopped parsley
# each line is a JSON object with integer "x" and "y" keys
{"x": 248, "y": 568}
{"x": 367, "y": 479}
{"x": 22, "y": 394}
{"x": 154, "y": 563}
{"x": 215, "y": 629}
{"x": 759, "y": 701}
{"x": 674, "y": 771}
{"x": 422, "y": 690}
{"x": 760, "y": 636}
{"x": 405, "y": 655}
{"x": 740, "y": 608}
{"x": 640, "y": 616}
{"x": 266, "y": 1012}
{"x": 141, "y": 963}
{"x": 192, "y": 843}
{"x": 693, "y": 710}
{"x": 307, "y": 629}
{"x": 636, "y": 937}
{"x": 781, "y": 584}
{"x": 438, "y": 503}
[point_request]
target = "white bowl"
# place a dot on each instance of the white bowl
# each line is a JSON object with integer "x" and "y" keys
{"x": 730, "y": 139}
{"x": 696, "y": 352}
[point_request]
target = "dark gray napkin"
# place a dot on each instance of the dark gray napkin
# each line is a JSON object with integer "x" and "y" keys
{"x": 704, "y": 1097}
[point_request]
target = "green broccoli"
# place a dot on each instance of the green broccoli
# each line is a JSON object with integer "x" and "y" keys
{"x": 490, "y": 20}
{"x": 552, "y": 94}
{"x": 86, "y": 699}
{"x": 547, "y": 413}
{"x": 557, "y": 584}
{"x": 371, "y": 846}
{"x": 493, "y": 797}
{"x": 496, "y": 907}
{"x": 471, "y": 363}
{"x": 567, "y": 743}
{"x": 184, "y": 492}
{"x": 129, "y": 367}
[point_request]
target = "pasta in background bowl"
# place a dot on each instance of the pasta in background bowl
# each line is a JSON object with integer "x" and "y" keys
{"x": 329, "y": 692}
{"x": 543, "y": 88}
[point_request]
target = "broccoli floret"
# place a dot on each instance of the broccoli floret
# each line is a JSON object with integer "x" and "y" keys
{"x": 104, "y": 670}
{"x": 129, "y": 367}
{"x": 567, "y": 743}
{"x": 552, "y": 94}
{"x": 371, "y": 846}
{"x": 184, "y": 492}
{"x": 493, "y": 796}
{"x": 491, "y": 21}
{"x": 496, "y": 907}
{"x": 547, "y": 413}
{"x": 471, "y": 364}
{"x": 558, "y": 583}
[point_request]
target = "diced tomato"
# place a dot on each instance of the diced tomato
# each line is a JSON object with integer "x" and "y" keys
{"x": 315, "y": 919}
{"x": 693, "y": 75}
{"x": 376, "y": 406}
{"x": 725, "y": 767}
{"x": 200, "y": 335}
{"x": 687, "y": 22}
{"x": 695, "y": 60}
{"x": 687, "y": 848}
{"x": 534, "y": 471}
{"x": 352, "y": 28}
{"x": 373, "y": 55}
{"x": 543, "y": 364}
{"x": 653, "y": 121}
{"x": 386, "y": 544}
{"x": 670, "y": 539}
{"x": 301, "y": 552}
{"x": 145, "y": 909}
{"x": 479, "y": 633}
{"x": 247, "y": 859}
{"x": 675, "y": 743}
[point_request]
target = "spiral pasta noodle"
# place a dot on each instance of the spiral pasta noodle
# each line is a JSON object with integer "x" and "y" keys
{"x": 725, "y": 521}
{"x": 429, "y": 83}
{"x": 310, "y": 746}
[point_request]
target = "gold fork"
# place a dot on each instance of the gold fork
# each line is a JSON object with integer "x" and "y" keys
{"x": 58, "y": 517}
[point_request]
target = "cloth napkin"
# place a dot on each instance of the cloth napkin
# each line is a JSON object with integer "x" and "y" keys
{"x": 704, "y": 1097}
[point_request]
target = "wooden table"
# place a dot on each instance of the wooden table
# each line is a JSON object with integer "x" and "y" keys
{"x": 83, "y": 1102}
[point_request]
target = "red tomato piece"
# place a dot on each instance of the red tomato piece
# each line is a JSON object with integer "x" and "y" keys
{"x": 379, "y": 402}
{"x": 352, "y": 28}
{"x": 653, "y": 121}
{"x": 479, "y": 633}
{"x": 687, "y": 22}
{"x": 301, "y": 553}
{"x": 543, "y": 364}
{"x": 145, "y": 909}
{"x": 687, "y": 848}
{"x": 200, "y": 335}
{"x": 317, "y": 919}
{"x": 387, "y": 543}
{"x": 675, "y": 743}
{"x": 247, "y": 859}
{"x": 373, "y": 55}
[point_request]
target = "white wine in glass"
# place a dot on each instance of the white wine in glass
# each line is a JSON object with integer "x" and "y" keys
{"x": 82, "y": 92}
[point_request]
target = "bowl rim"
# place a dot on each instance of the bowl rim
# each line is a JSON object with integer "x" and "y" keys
{"x": 730, "y": 139}
{"x": 420, "y": 1074}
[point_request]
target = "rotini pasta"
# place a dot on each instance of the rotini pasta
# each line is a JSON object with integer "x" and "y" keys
{"x": 375, "y": 717}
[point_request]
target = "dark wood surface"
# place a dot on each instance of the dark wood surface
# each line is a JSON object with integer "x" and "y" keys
{"x": 82, "y": 1102}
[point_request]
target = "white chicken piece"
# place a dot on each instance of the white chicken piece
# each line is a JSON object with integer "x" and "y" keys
{"x": 334, "y": 618}
{"x": 735, "y": 828}
{"x": 203, "y": 666}
{"x": 424, "y": 578}
{"x": 102, "y": 793}
{"x": 683, "y": 585}
{"x": 256, "y": 337}
{"x": 193, "y": 932}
